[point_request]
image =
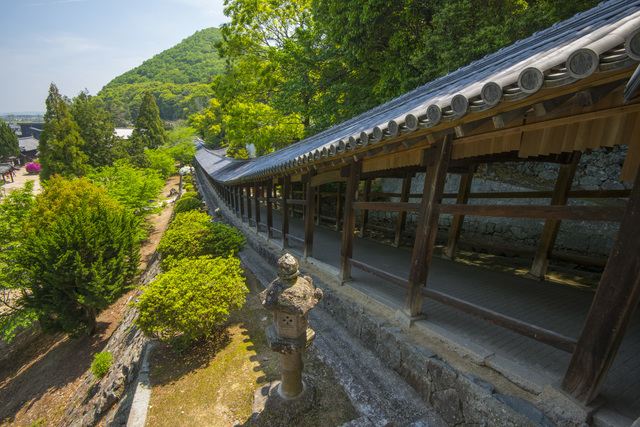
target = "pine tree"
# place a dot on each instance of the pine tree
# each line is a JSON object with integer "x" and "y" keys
{"x": 8, "y": 142}
{"x": 149, "y": 130}
{"x": 60, "y": 141}
{"x": 96, "y": 129}
{"x": 79, "y": 253}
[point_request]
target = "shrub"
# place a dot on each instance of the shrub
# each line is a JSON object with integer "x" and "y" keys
{"x": 33, "y": 168}
{"x": 79, "y": 252}
{"x": 192, "y": 235}
{"x": 187, "y": 204}
{"x": 193, "y": 299}
{"x": 101, "y": 364}
{"x": 190, "y": 194}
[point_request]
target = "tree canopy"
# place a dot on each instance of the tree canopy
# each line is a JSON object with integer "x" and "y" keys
{"x": 60, "y": 144}
{"x": 79, "y": 253}
{"x": 297, "y": 67}
{"x": 8, "y": 141}
{"x": 149, "y": 129}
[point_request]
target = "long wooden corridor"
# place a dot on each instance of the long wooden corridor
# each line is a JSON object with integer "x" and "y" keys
{"x": 533, "y": 364}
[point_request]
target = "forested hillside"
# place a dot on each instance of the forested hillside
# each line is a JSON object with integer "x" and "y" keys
{"x": 178, "y": 78}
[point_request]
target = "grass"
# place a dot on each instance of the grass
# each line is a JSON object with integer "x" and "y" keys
{"x": 213, "y": 384}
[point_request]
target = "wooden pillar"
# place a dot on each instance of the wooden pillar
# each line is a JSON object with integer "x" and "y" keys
{"x": 427, "y": 225}
{"x": 612, "y": 309}
{"x": 402, "y": 216}
{"x": 365, "y": 212}
{"x": 256, "y": 194}
{"x": 349, "y": 225}
{"x": 309, "y": 216}
{"x": 456, "y": 223}
{"x": 318, "y": 204}
{"x": 551, "y": 227}
{"x": 269, "y": 202}
{"x": 249, "y": 215}
{"x": 240, "y": 202}
{"x": 338, "y": 206}
{"x": 286, "y": 189}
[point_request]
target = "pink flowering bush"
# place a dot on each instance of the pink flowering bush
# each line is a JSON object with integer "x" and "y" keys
{"x": 33, "y": 168}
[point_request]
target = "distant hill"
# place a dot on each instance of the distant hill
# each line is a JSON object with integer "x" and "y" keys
{"x": 177, "y": 77}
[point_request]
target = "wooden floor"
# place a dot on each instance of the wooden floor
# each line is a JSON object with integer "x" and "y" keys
{"x": 559, "y": 308}
{"x": 555, "y": 307}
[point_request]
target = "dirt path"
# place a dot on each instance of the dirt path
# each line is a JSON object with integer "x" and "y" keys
{"x": 18, "y": 181}
{"x": 40, "y": 373}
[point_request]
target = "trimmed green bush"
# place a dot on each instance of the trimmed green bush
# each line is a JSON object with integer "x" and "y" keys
{"x": 186, "y": 205}
{"x": 192, "y": 234}
{"x": 193, "y": 299}
{"x": 188, "y": 194}
{"x": 101, "y": 364}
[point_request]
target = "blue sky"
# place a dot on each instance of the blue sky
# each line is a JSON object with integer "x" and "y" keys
{"x": 80, "y": 44}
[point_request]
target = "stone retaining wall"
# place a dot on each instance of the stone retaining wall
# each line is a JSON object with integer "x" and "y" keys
{"x": 107, "y": 401}
{"x": 597, "y": 170}
{"x": 460, "y": 399}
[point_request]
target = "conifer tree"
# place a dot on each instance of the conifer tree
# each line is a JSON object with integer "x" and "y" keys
{"x": 8, "y": 142}
{"x": 149, "y": 130}
{"x": 96, "y": 129}
{"x": 79, "y": 253}
{"x": 60, "y": 142}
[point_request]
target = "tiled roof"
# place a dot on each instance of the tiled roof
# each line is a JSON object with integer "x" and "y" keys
{"x": 604, "y": 38}
{"x": 28, "y": 143}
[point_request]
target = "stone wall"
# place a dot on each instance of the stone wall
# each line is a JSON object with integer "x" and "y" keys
{"x": 107, "y": 401}
{"x": 460, "y": 399}
{"x": 597, "y": 170}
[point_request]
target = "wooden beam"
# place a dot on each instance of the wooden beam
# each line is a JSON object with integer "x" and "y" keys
{"x": 351, "y": 195}
{"x": 269, "y": 202}
{"x": 456, "y": 223}
{"x": 338, "y": 206}
{"x": 572, "y": 213}
{"x": 309, "y": 216}
{"x": 256, "y": 193}
{"x": 286, "y": 189}
{"x": 365, "y": 212}
{"x": 402, "y": 215}
{"x": 327, "y": 177}
{"x": 249, "y": 214}
{"x": 427, "y": 226}
{"x": 503, "y": 119}
{"x": 239, "y": 201}
{"x": 611, "y": 311}
{"x": 551, "y": 227}
{"x": 388, "y": 206}
{"x": 539, "y": 334}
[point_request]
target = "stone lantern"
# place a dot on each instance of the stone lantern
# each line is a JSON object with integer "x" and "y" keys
{"x": 290, "y": 298}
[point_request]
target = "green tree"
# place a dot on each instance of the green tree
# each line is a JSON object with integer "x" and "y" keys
{"x": 162, "y": 161}
{"x": 14, "y": 209}
{"x": 149, "y": 130}
{"x": 182, "y": 144}
{"x": 8, "y": 141}
{"x": 79, "y": 253}
{"x": 136, "y": 189}
{"x": 193, "y": 299}
{"x": 95, "y": 128}
{"x": 60, "y": 144}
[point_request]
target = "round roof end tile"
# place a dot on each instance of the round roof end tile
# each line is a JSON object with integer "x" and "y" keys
{"x": 632, "y": 45}
{"x": 530, "y": 80}
{"x": 491, "y": 94}
{"x": 460, "y": 105}
{"x": 582, "y": 63}
{"x": 434, "y": 114}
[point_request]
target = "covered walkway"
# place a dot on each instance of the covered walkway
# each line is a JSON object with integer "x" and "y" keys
{"x": 527, "y": 362}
